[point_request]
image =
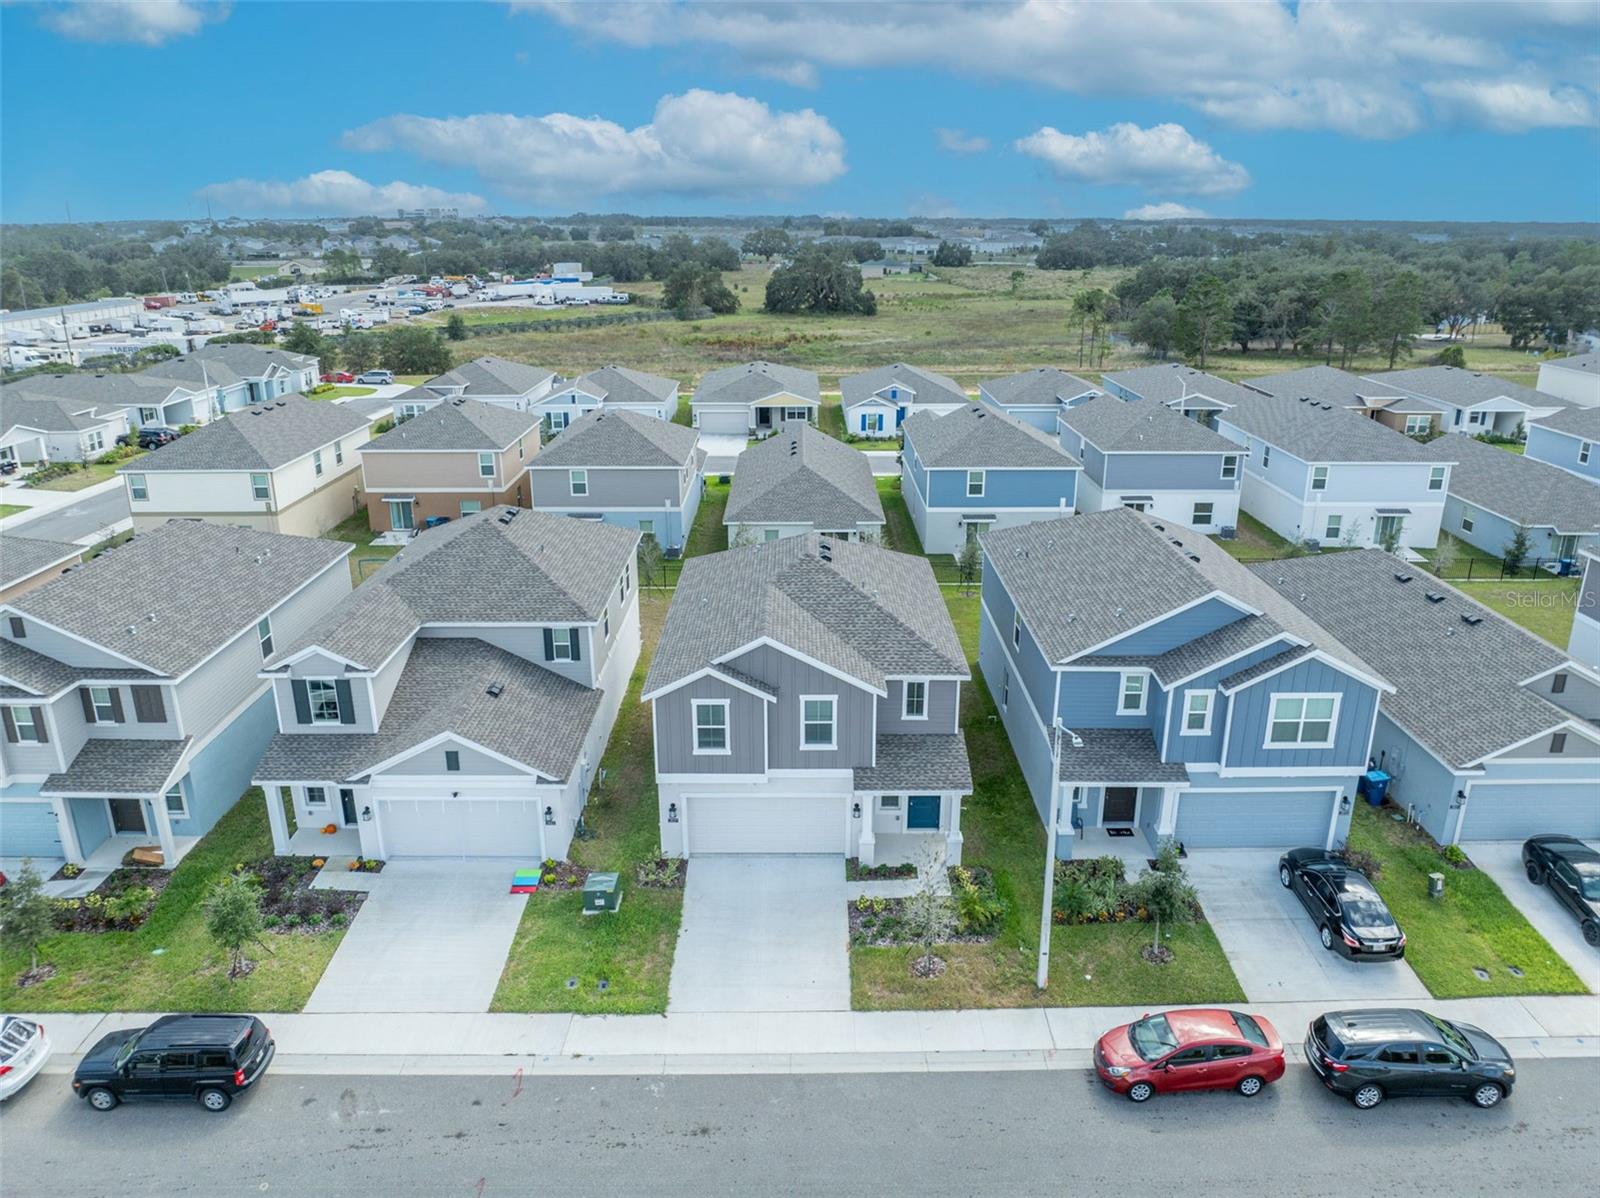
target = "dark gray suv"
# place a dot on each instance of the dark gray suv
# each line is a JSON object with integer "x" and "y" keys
{"x": 1368, "y": 1056}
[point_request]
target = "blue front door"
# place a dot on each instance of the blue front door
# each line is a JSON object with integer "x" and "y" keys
{"x": 922, "y": 813}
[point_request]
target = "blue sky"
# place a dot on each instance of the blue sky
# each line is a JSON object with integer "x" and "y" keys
{"x": 1317, "y": 110}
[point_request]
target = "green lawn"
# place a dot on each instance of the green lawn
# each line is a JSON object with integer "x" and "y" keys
{"x": 335, "y": 391}
{"x": 900, "y": 534}
{"x": 708, "y": 534}
{"x": 170, "y": 963}
{"x": 1544, "y": 607}
{"x": 90, "y": 474}
{"x": 632, "y": 949}
{"x": 684, "y": 413}
{"x": 11, "y": 509}
{"x": 830, "y": 419}
{"x": 1473, "y": 925}
{"x": 1255, "y": 542}
{"x": 367, "y": 557}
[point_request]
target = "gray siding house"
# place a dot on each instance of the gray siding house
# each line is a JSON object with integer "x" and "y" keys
{"x": 614, "y": 388}
{"x": 1493, "y": 492}
{"x": 801, "y": 481}
{"x": 1036, "y": 396}
{"x": 754, "y": 399}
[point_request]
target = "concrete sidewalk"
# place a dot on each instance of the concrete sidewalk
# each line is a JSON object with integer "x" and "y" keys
{"x": 803, "y": 1042}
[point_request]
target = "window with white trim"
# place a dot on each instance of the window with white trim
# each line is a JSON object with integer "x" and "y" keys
{"x": 1474, "y": 417}
{"x": 486, "y": 465}
{"x": 27, "y": 728}
{"x": 561, "y": 643}
{"x": 711, "y": 726}
{"x": 1334, "y": 527}
{"x": 452, "y": 761}
{"x": 626, "y": 584}
{"x": 976, "y": 480}
{"x": 316, "y": 796}
{"x": 105, "y": 711}
{"x": 1230, "y": 466}
{"x": 1132, "y": 694}
{"x": 1583, "y": 453}
{"x": 1005, "y": 688}
{"x": 264, "y": 634}
{"x": 338, "y": 453}
{"x": 1319, "y": 478}
{"x": 177, "y": 805}
{"x": 916, "y": 700}
{"x": 605, "y": 623}
{"x": 578, "y": 481}
{"x": 260, "y": 487}
{"x": 94, "y": 441}
{"x": 1197, "y": 712}
{"x": 1302, "y": 721}
{"x": 316, "y": 462}
{"x": 1418, "y": 426}
{"x": 149, "y": 415}
{"x": 324, "y": 699}
{"x": 817, "y": 721}
{"x": 770, "y": 534}
{"x": 1436, "y": 478}
{"x": 1466, "y": 520}
{"x": 1016, "y": 629}
{"x": 1266, "y": 456}
{"x": 1202, "y": 514}
{"x": 138, "y": 488}
{"x": 471, "y": 507}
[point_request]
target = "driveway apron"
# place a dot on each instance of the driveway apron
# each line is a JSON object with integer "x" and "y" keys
{"x": 1502, "y": 861}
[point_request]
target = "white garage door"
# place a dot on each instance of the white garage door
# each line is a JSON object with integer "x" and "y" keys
{"x": 766, "y": 825}
{"x": 460, "y": 828}
{"x": 1253, "y": 819}
{"x": 734, "y": 423}
{"x": 1517, "y": 812}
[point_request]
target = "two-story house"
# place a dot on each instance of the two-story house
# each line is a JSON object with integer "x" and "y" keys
{"x": 231, "y": 377}
{"x": 1036, "y": 396}
{"x": 456, "y": 459}
{"x": 291, "y": 465}
{"x": 1150, "y": 683}
{"x": 1490, "y": 733}
{"x": 1584, "y": 641}
{"x": 132, "y": 709}
{"x": 802, "y": 481}
{"x": 977, "y": 468}
{"x": 1473, "y": 402}
{"x": 458, "y": 703}
{"x": 27, "y": 563}
{"x": 754, "y": 399}
{"x": 614, "y": 388}
{"x": 1569, "y": 439}
{"x": 1493, "y": 493}
{"x": 805, "y": 698}
{"x": 1574, "y": 380}
{"x": 491, "y": 380}
{"x": 1391, "y": 407}
{"x": 49, "y": 428}
{"x": 625, "y": 468}
{"x": 1148, "y": 457}
{"x": 1187, "y": 391}
{"x": 876, "y": 402}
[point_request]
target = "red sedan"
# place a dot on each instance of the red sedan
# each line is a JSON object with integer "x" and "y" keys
{"x": 339, "y": 376}
{"x": 1190, "y": 1050}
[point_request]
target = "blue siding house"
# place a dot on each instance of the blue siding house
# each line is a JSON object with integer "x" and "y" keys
{"x": 1035, "y": 396}
{"x": 1150, "y": 683}
{"x": 977, "y": 468}
{"x": 1570, "y": 440}
{"x": 877, "y": 402}
{"x": 1493, "y": 492}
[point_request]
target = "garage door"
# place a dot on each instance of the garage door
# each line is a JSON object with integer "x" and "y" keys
{"x": 1515, "y": 814}
{"x": 766, "y": 825}
{"x": 1253, "y": 819}
{"x": 460, "y": 828}
{"x": 731, "y": 423}
{"x": 29, "y": 830}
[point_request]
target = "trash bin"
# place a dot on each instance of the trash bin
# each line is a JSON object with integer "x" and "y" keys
{"x": 1375, "y": 785}
{"x": 435, "y": 521}
{"x": 601, "y": 892}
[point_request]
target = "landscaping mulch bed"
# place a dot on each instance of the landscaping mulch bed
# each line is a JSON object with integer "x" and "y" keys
{"x": 1084, "y": 871}
{"x": 881, "y": 922}
{"x": 663, "y": 873}
{"x": 562, "y": 875}
{"x": 291, "y": 907}
{"x": 854, "y": 871}
{"x": 66, "y": 873}
{"x": 119, "y": 904}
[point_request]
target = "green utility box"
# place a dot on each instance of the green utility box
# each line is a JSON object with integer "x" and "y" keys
{"x": 601, "y": 892}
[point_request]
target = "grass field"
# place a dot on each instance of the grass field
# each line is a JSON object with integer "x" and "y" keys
{"x": 367, "y": 557}
{"x": 11, "y": 509}
{"x": 1544, "y": 608}
{"x": 339, "y": 392}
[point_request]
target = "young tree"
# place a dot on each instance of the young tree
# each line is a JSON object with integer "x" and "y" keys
{"x": 25, "y": 917}
{"x": 1353, "y": 534}
{"x": 968, "y": 562}
{"x": 1165, "y": 892}
{"x": 455, "y": 329}
{"x": 1204, "y": 319}
{"x": 650, "y": 558}
{"x": 952, "y": 253}
{"x": 930, "y": 914}
{"x": 1516, "y": 551}
{"x": 233, "y": 917}
{"x": 1017, "y": 277}
{"x": 1154, "y": 322}
{"x": 1444, "y": 555}
{"x": 1452, "y": 355}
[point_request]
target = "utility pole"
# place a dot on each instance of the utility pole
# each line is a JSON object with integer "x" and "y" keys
{"x": 1057, "y": 728}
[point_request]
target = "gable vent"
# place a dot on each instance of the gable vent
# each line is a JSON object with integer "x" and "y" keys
{"x": 1435, "y": 597}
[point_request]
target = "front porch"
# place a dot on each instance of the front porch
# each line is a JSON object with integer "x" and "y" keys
{"x": 108, "y": 856}
{"x": 1117, "y": 797}
{"x": 314, "y": 842}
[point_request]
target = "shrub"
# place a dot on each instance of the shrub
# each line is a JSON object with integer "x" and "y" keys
{"x": 979, "y": 907}
{"x": 1454, "y": 854}
{"x": 129, "y": 905}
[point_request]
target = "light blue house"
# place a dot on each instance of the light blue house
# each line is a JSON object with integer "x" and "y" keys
{"x": 1490, "y": 732}
{"x": 1187, "y": 391}
{"x": 977, "y": 468}
{"x": 1570, "y": 439}
{"x": 617, "y": 388}
{"x": 132, "y": 709}
{"x": 624, "y": 468}
{"x": 1150, "y": 683}
{"x": 1473, "y": 402}
{"x": 1035, "y": 396}
{"x": 1493, "y": 492}
{"x": 876, "y": 402}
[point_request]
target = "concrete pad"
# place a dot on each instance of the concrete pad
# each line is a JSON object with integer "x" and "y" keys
{"x": 432, "y": 936}
{"x": 722, "y": 451}
{"x": 762, "y": 933}
{"x": 1272, "y": 943}
{"x": 1024, "y": 1030}
{"x": 1502, "y": 861}
{"x": 806, "y": 1032}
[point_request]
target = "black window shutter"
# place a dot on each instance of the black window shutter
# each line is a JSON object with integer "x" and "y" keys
{"x": 549, "y": 644}
{"x": 148, "y": 705}
{"x": 116, "y": 704}
{"x": 88, "y": 704}
{"x": 302, "y": 701}
{"x": 577, "y": 653}
{"x": 18, "y": 628}
{"x": 11, "y": 725}
{"x": 347, "y": 703}
{"x": 38, "y": 722}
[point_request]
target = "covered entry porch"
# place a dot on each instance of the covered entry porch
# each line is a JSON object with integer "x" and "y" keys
{"x": 1116, "y": 794}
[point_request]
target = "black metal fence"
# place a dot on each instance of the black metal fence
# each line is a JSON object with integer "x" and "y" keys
{"x": 1482, "y": 569}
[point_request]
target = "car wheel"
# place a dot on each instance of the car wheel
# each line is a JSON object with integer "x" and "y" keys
{"x": 1535, "y": 874}
{"x": 1141, "y": 1092}
{"x": 1591, "y": 933}
{"x": 102, "y": 1099}
{"x": 1283, "y": 876}
{"x": 214, "y": 1099}
{"x": 1368, "y": 1096}
{"x": 1327, "y": 938}
{"x": 1487, "y": 1095}
{"x": 1250, "y": 1086}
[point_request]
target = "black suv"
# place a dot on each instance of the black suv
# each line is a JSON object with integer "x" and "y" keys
{"x": 209, "y": 1058}
{"x": 1351, "y": 919}
{"x": 150, "y": 436}
{"x": 1368, "y": 1056}
{"x": 1572, "y": 871}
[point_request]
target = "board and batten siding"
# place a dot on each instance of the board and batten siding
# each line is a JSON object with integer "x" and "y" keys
{"x": 1030, "y": 667}
{"x": 1004, "y": 488}
{"x": 674, "y": 731}
{"x": 1206, "y": 748}
{"x": 943, "y": 700}
{"x": 854, "y": 713}
{"x": 1352, "y": 739}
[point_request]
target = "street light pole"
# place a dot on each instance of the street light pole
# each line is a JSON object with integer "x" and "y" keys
{"x": 1057, "y": 728}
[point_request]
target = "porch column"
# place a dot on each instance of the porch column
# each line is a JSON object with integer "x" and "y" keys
{"x": 70, "y": 848}
{"x": 276, "y": 818}
{"x": 866, "y": 842}
{"x": 955, "y": 840}
{"x": 1167, "y": 822}
{"x": 169, "y": 846}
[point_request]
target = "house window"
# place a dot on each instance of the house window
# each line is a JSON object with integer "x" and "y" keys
{"x": 1436, "y": 478}
{"x": 711, "y": 726}
{"x": 264, "y": 632}
{"x": 1335, "y": 524}
{"x": 316, "y": 462}
{"x": 94, "y": 441}
{"x": 1230, "y": 466}
{"x": 1466, "y": 521}
{"x": 519, "y": 449}
{"x": 578, "y": 481}
{"x": 1417, "y": 426}
{"x": 1558, "y": 742}
{"x": 626, "y": 583}
{"x": 1266, "y": 456}
{"x": 260, "y": 487}
{"x": 1016, "y": 630}
{"x": 916, "y": 701}
{"x": 486, "y": 465}
{"x": 1197, "y": 713}
{"x": 137, "y": 487}
{"x": 149, "y": 415}
{"x": 816, "y": 721}
{"x": 452, "y": 761}
{"x": 1131, "y": 698}
{"x": 561, "y": 643}
{"x": 409, "y": 411}
{"x": 338, "y": 453}
{"x": 1583, "y": 453}
{"x": 1319, "y": 478}
{"x": 316, "y": 796}
{"x": 647, "y": 528}
{"x": 27, "y": 726}
{"x": 105, "y": 711}
{"x": 975, "y": 482}
{"x": 471, "y": 507}
{"x": 19, "y": 630}
{"x": 177, "y": 805}
{"x": 324, "y": 698}
{"x": 797, "y": 414}
{"x": 1558, "y": 684}
{"x": 1474, "y": 417}
{"x": 770, "y": 534}
{"x": 1202, "y": 513}
{"x": 1306, "y": 721}
{"x": 605, "y": 623}
{"x": 1005, "y": 688}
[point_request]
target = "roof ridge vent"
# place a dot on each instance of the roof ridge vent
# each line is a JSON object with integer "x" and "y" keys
{"x": 1434, "y": 597}
{"x": 1471, "y": 619}
{"x": 1402, "y": 578}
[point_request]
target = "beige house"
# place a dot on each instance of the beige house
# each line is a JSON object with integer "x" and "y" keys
{"x": 292, "y": 465}
{"x": 456, "y": 459}
{"x": 27, "y": 563}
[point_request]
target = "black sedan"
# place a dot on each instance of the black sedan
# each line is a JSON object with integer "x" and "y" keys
{"x": 1571, "y": 869}
{"x": 1351, "y": 919}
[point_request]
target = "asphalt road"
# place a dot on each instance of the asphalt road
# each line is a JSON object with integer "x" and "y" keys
{"x": 1016, "y": 1134}
{"x": 78, "y": 519}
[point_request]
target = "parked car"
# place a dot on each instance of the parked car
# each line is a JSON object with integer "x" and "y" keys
{"x": 338, "y": 376}
{"x": 9, "y": 465}
{"x": 1351, "y": 919}
{"x": 376, "y": 377}
{"x": 208, "y": 1058}
{"x": 24, "y": 1048}
{"x": 1189, "y": 1050}
{"x": 150, "y": 436}
{"x": 1368, "y": 1056}
{"x": 1571, "y": 869}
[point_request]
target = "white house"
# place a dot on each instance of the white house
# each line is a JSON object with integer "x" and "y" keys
{"x": 492, "y": 380}
{"x": 755, "y": 399}
{"x": 1575, "y": 380}
{"x": 610, "y": 387}
{"x": 1474, "y": 402}
{"x": 877, "y": 402}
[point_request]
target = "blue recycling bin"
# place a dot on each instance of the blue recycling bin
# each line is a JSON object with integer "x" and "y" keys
{"x": 435, "y": 521}
{"x": 1375, "y": 785}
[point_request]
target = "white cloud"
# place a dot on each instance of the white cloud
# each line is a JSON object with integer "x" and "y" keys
{"x": 1507, "y": 106}
{"x": 332, "y": 193}
{"x": 699, "y": 143}
{"x": 1369, "y": 70}
{"x": 1163, "y": 157}
{"x": 142, "y": 22}
{"x": 957, "y": 141}
{"x": 1164, "y": 211}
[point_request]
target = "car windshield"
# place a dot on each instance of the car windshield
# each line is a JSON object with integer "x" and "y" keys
{"x": 1366, "y": 913}
{"x": 1250, "y": 1029}
{"x": 126, "y": 1050}
{"x": 1589, "y": 881}
{"x": 1453, "y": 1037}
{"x": 1152, "y": 1037}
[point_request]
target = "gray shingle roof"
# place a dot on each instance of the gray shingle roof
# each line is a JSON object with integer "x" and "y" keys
{"x": 1043, "y": 386}
{"x": 1463, "y": 388}
{"x": 457, "y": 424}
{"x": 800, "y": 475}
{"x": 928, "y": 386}
{"x": 620, "y": 438}
{"x": 86, "y": 393}
{"x": 913, "y": 763}
{"x": 49, "y": 413}
{"x": 172, "y": 596}
{"x": 1586, "y": 363}
{"x": 1324, "y": 431}
{"x": 1457, "y": 683}
{"x": 1196, "y": 656}
{"x": 538, "y": 719}
{"x": 977, "y": 437}
{"x": 1574, "y": 422}
{"x": 869, "y": 612}
{"x": 37, "y": 675}
{"x": 1265, "y": 666}
{"x": 1171, "y": 382}
{"x": 114, "y": 766}
{"x": 225, "y": 365}
{"x": 620, "y": 384}
{"x": 23, "y": 557}
{"x": 1520, "y": 488}
{"x": 755, "y": 381}
{"x": 491, "y": 375}
{"x": 1117, "y": 756}
{"x": 1328, "y": 384}
{"x": 1115, "y": 426}
{"x": 260, "y": 437}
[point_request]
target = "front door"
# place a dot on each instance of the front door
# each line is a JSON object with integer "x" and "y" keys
{"x": 400, "y": 517}
{"x": 922, "y": 813}
{"x": 1387, "y": 526}
{"x": 1566, "y": 548}
{"x": 763, "y": 417}
{"x": 1121, "y": 805}
{"x": 127, "y": 815}
{"x": 347, "y": 802}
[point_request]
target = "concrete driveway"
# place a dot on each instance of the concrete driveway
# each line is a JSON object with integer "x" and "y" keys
{"x": 762, "y": 934}
{"x": 432, "y": 936}
{"x": 1502, "y": 861}
{"x": 1271, "y": 942}
{"x": 722, "y": 451}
